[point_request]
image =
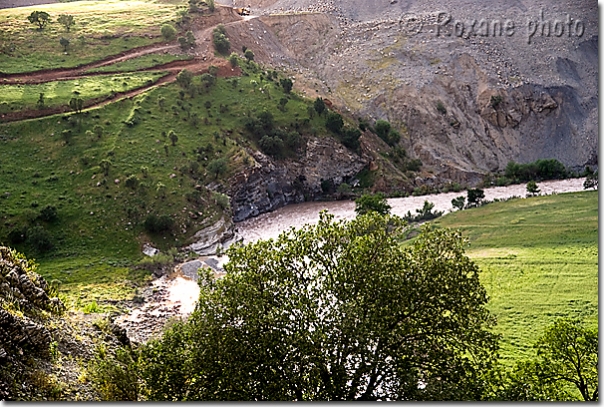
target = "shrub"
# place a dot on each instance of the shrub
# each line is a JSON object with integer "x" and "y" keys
{"x": 532, "y": 189}
{"x": 233, "y": 59}
{"x": 48, "y": 213}
{"x": 459, "y": 202}
{"x": 319, "y": 105}
{"x": 441, "y": 107}
{"x": 249, "y": 55}
{"x": 334, "y": 122}
{"x": 217, "y": 167}
{"x": 425, "y": 213}
{"x": 496, "y": 101}
{"x": 132, "y": 182}
{"x": 221, "y": 42}
{"x": 475, "y": 197}
{"x": 271, "y": 145}
{"x": 368, "y": 203}
{"x": 39, "y": 238}
{"x": 158, "y": 224}
{"x": 350, "y": 137}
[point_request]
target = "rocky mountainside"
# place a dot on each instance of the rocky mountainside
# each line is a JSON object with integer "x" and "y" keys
{"x": 470, "y": 85}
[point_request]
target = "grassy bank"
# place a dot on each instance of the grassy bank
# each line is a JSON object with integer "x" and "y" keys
{"x": 107, "y": 171}
{"x": 19, "y": 97}
{"x": 539, "y": 258}
{"x": 102, "y": 28}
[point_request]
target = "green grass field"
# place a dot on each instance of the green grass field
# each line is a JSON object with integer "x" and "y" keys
{"x": 99, "y": 228}
{"x": 102, "y": 28}
{"x": 142, "y": 62}
{"x": 539, "y": 258}
{"x": 20, "y": 97}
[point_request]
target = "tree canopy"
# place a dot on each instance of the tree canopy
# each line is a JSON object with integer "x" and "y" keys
{"x": 332, "y": 311}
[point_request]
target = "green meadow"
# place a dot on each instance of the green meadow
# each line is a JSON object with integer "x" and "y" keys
{"x": 24, "y": 97}
{"x": 539, "y": 262}
{"x": 139, "y": 63}
{"x": 108, "y": 169}
{"x": 102, "y": 28}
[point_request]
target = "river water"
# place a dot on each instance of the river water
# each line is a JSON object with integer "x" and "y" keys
{"x": 179, "y": 292}
{"x": 270, "y": 225}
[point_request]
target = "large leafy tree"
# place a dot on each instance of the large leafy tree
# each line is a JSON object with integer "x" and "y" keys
{"x": 565, "y": 367}
{"x": 334, "y": 311}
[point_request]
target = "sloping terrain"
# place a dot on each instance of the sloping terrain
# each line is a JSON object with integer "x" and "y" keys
{"x": 466, "y": 103}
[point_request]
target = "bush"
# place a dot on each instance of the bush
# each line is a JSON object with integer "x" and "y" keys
{"x": 385, "y": 131}
{"x": 39, "y": 238}
{"x": 158, "y": 224}
{"x": 234, "y": 59}
{"x": 168, "y": 32}
{"x": 48, "y": 213}
{"x": 132, "y": 182}
{"x": 532, "y": 189}
{"x": 459, "y": 202}
{"x": 272, "y": 146}
{"x": 217, "y": 167}
{"x": 221, "y": 42}
{"x": 350, "y": 137}
{"x": 372, "y": 203}
{"x": 319, "y": 105}
{"x": 249, "y": 55}
{"x": 543, "y": 169}
{"x": 425, "y": 213}
{"x": 475, "y": 197}
{"x": 441, "y": 107}
{"x": 334, "y": 122}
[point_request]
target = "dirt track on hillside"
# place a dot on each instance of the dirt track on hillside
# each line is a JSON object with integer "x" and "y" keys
{"x": 203, "y": 51}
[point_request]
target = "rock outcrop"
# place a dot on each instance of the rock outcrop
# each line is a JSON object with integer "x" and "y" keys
{"x": 270, "y": 184}
{"x": 25, "y": 304}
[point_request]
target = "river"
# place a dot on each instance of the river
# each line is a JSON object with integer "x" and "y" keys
{"x": 270, "y": 225}
{"x": 176, "y": 295}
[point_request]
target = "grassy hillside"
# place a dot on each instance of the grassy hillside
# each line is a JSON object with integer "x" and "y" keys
{"x": 102, "y": 28}
{"x": 18, "y": 97}
{"x": 108, "y": 170}
{"x": 539, "y": 258}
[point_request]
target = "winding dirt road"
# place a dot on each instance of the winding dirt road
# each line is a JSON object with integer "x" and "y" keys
{"x": 200, "y": 64}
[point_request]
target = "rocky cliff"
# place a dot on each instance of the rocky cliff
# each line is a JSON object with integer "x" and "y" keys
{"x": 467, "y": 94}
{"x": 270, "y": 184}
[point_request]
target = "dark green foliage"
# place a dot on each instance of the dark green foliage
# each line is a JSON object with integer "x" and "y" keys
{"x": 48, "y": 213}
{"x": 591, "y": 180}
{"x": 286, "y": 84}
{"x": 168, "y": 32}
{"x": 248, "y": 54}
{"x": 272, "y": 146}
{"x": 349, "y": 136}
{"x": 40, "y": 239}
{"x": 158, "y": 224}
{"x": 532, "y": 189}
{"x": 64, "y": 43}
{"x": 459, "y": 202}
{"x": 188, "y": 41}
{"x": 17, "y": 235}
{"x": 282, "y": 102}
{"x": 414, "y": 164}
{"x": 293, "y": 140}
{"x": 218, "y": 167}
{"x": 385, "y": 131}
{"x": 565, "y": 367}
{"x": 372, "y": 203}
{"x": 425, "y": 213}
{"x": 319, "y": 105}
{"x": 221, "y": 42}
{"x": 334, "y": 122}
{"x": 40, "y": 102}
{"x": 475, "y": 197}
{"x": 496, "y": 101}
{"x": 441, "y": 107}
{"x": 173, "y": 137}
{"x": 115, "y": 376}
{"x": 76, "y": 104}
{"x": 67, "y": 21}
{"x": 234, "y": 59}
{"x": 539, "y": 170}
{"x": 132, "y": 182}
{"x": 396, "y": 317}
{"x": 39, "y": 17}
{"x": 184, "y": 79}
